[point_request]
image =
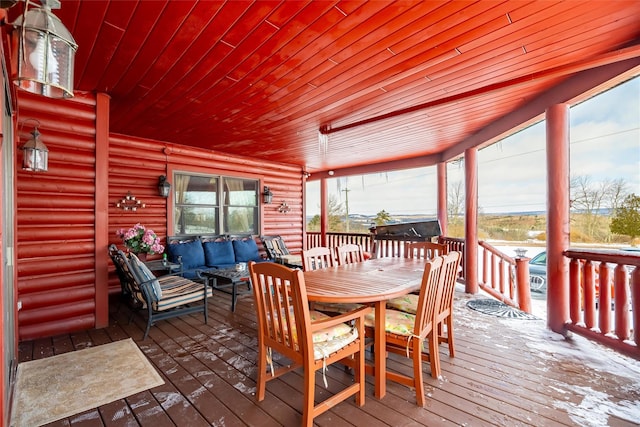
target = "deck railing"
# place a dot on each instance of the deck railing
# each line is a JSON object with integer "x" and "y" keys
{"x": 501, "y": 276}
{"x": 604, "y": 298}
{"x": 314, "y": 239}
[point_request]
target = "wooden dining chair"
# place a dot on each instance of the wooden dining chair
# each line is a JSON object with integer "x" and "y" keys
{"x": 316, "y": 258}
{"x": 308, "y": 338}
{"x": 444, "y": 311}
{"x": 409, "y": 303}
{"x": 426, "y": 250}
{"x": 405, "y": 333}
{"x": 322, "y": 257}
{"x": 349, "y": 253}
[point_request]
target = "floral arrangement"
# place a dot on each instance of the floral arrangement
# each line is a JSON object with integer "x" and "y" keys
{"x": 140, "y": 240}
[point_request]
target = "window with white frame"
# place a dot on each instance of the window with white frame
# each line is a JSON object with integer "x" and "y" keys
{"x": 213, "y": 204}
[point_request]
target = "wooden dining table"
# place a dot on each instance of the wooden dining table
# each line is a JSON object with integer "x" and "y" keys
{"x": 370, "y": 282}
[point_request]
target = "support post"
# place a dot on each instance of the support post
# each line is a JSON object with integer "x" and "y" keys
{"x": 442, "y": 196}
{"x": 324, "y": 211}
{"x": 471, "y": 220}
{"x": 557, "y": 121}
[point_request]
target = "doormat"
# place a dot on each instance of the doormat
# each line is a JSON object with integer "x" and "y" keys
{"x": 60, "y": 386}
{"x": 497, "y": 308}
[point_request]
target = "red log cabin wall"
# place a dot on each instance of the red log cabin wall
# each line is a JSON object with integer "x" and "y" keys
{"x": 60, "y": 224}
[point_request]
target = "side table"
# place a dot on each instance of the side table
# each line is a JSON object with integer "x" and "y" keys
{"x": 158, "y": 268}
{"x": 223, "y": 278}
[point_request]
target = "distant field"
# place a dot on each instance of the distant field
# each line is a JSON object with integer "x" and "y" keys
{"x": 530, "y": 227}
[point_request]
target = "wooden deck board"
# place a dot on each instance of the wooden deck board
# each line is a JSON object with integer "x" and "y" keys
{"x": 500, "y": 376}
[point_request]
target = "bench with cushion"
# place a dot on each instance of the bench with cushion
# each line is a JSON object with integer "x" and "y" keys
{"x": 201, "y": 253}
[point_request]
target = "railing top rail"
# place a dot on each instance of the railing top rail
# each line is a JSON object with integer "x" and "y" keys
{"x": 613, "y": 256}
{"x": 496, "y": 252}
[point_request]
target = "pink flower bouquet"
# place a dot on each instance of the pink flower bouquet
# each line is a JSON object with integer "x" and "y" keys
{"x": 140, "y": 240}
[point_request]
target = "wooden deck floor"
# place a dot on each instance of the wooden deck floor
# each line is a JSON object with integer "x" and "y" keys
{"x": 505, "y": 373}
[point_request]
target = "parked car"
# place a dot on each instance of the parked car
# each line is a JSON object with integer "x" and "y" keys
{"x": 538, "y": 273}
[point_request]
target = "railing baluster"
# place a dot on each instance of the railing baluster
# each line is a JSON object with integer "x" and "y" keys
{"x": 604, "y": 299}
{"x": 622, "y": 300}
{"x": 589, "y": 295}
{"x": 575, "y": 303}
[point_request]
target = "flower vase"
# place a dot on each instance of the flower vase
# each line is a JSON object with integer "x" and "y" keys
{"x": 142, "y": 256}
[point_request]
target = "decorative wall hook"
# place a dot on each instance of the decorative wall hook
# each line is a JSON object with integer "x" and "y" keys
{"x": 284, "y": 207}
{"x": 130, "y": 203}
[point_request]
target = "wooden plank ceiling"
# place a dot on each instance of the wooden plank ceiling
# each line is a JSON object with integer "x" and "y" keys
{"x": 261, "y": 78}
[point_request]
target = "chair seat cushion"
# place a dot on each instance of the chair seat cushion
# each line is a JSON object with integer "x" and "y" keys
{"x": 177, "y": 291}
{"x": 407, "y": 303}
{"x": 336, "y": 307}
{"x": 328, "y": 334}
{"x": 396, "y": 322}
{"x": 324, "y": 349}
{"x": 291, "y": 259}
{"x": 324, "y": 335}
{"x": 329, "y": 340}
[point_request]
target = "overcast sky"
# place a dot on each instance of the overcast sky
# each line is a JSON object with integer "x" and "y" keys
{"x": 605, "y": 145}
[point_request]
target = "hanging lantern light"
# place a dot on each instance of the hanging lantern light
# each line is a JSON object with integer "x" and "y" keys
{"x": 164, "y": 187}
{"x": 36, "y": 154}
{"x": 44, "y": 52}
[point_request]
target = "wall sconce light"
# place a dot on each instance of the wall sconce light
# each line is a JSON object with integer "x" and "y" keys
{"x": 36, "y": 154}
{"x": 44, "y": 52}
{"x": 164, "y": 187}
{"x": 284, "y": 207}
{"x": 267, "y": 195}
{"x": 129, "y": 203}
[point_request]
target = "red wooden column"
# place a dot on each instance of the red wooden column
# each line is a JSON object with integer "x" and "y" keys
{"x": 324, "y": 211}
{"x": 471, "y": 220}
{"x": 442, "y": 196}
{"x": 557, "y": 120}
{"x": 102, "y": 211}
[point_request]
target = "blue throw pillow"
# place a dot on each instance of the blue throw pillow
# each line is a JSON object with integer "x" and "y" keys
{"x": 246, "y": 250}
{"x": 143, "y": 274}
{"x": 192, "y": 253}
{"x": 218, "y": 253}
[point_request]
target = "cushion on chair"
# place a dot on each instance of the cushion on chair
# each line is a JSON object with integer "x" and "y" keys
{"x": 192, "y": 253}
{"x": 397, "y": 322}
{"x": 246, "y": 250}
{"x": 178, "y": 291}
{"x": 142, "y": 271}
{"x": 219, "y": 253}
{"x": 407, "y": 303}
{"x": 331, "y": 339}
{"x": 327, "y": 334}
{"x": 324, "y": 349}
{"x": 336, "y": 307}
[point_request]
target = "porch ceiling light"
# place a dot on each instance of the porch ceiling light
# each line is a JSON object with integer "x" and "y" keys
{"x": 44, "y": 51}
{"x": 36, "y": 154}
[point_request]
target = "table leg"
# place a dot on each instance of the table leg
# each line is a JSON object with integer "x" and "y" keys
{"x": 380, "y": 351}
{"x": 234, "y": 294}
